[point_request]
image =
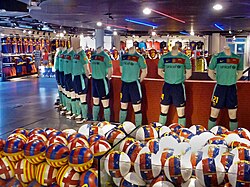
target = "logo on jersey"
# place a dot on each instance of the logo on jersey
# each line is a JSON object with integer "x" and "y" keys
{"x": 228, "y": 60}
{"x": 77, "y": 57}
{"x": 68, "y": 57}
{"x": 96, "y": 57}
{"x": 174, "y": 60}
{"x": 61, "y": 55}
{"x": 130, "y": 58}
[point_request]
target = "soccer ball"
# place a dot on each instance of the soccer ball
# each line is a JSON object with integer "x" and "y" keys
{"x": 146, "y": 132}
{"x": 89, "y": 178}
{"x": 67, "y": 176}
{"x": 132, "y": 179}
{"x": 34, "y": 151}
{"x": 25, "y": 171}
{"x": 78, "y": 142}
{"x": 46, "y": 174}
{"x": 7, "y": 168}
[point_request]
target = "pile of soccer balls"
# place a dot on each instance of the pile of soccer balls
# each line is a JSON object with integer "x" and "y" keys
{"x": 161, "y": 156}
{"x": 152, "y": 155}
{"x": 48, "y": 157}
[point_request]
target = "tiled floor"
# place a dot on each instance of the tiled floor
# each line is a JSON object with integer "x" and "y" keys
{"x": 29, "y": 103}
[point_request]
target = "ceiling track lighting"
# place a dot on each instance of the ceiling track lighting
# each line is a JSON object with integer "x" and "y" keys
{"x": 141, "y": 23}
{"x": 218, "y": 26}
{"x": 120, "y": 27}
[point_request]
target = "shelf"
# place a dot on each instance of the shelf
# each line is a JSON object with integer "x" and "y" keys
{"x": 20, "y": 54}
{"x": 8, "y": 63}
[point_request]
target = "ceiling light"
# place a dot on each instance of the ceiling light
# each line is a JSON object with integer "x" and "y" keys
{"x": 24, "y": 31}
{"x": 64, "y": 32}
{"x": 217, "y": 7}
{"x": 153, "y": 33}
{"x": 57, "y": 35}
{"x": 133, "y": 36}
{"x": 29, "y": 32}
{"x": 230, "y": 32}
{"x": 219, "y": 26}
{"x": 168, "y": 16}
{"x": 115, "y": 33}
{"x": 54, "y": 31}
{"x": 142, "y": 23}
{"x": 192, "y": 33}
{"x": 108, "y": 27}
{"x": 146, "y": 11}
{"x": 99, "y": 24}
{"x": 61, "y": 35}
{"x": 120, "y": 27}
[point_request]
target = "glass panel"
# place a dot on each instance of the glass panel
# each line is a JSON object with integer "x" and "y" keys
{"x": 232, "y": 47}
{"x": 240, "y": 48}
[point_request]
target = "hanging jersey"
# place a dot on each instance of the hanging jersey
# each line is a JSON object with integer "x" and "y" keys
{"x": 152, "y": 54}
{"x": 174, "y": 67}
{"x": 61, "y": 61}
{"x": 131, "y": 65}
{"x": 163, "y": 44}
{"x": 226, "y": 68}
{"x": 157, "y": 45}
{"x": 178, "y": 44}
{"x": 199, "y": 45}
{"x": 68, "y": 58}
{"x": 100, "y": 63}
{"x": 192, "y": 45}
{"x": 136, "y": 44}
{"x": 80, "y": 59}
{"x": 142, "y": 45}
{"x": 56, "y": 60}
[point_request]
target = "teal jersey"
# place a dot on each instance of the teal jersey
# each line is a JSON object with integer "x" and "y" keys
{"x": 226, "y": 68}
{"x": 56, "y": 60}
{"x": 174, "y": 67}
{"x": 68, "y": 61}
{"x": 131, "y": 65}
{"x": 79, "y": 60}
{"x": 61, "y": 61}
{"x": 100, "y": 62}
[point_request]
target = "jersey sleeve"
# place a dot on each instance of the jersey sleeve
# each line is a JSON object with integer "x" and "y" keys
{"x": 187, "y": 63}
{"x": 213, "y": 62}
{"x": 240, "y": 65}
{"x": 142, "y": 62}
{"x": 161, "y": 63}
{"x": 84, "y": 58}
{"x": 108, "y": 61}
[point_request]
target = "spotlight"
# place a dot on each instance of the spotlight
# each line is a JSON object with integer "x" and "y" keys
{"x": 217, "y": 7}
{"x": 146, "y": 11}
{"x": 30, "y": 32}
{"x": 24, "y": 31}
{"x": 108, "y": 27}
{"x": 99, "y": 24}
{"x": 115, "y": 33}
{"x": 54, "y": 31}
{"x": 61, "y": 35}
{"x": 230, "y": 32}
{"x": 153, "y": 33}
{"x": 192, "y": 33}
{"x": 64, "y": 32}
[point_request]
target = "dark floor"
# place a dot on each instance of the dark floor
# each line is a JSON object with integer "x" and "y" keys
{"x": 29, "y": 103}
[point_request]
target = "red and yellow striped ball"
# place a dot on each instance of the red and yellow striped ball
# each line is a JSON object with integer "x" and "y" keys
{"x": 153, "y": 145}
{"x": 81, "y": 159}
{"x": 68, "y": 132}
{"x": 210, "y": 172}
{"x": 18, "y": 135}
{"x": 185, "y": 133}
{"x": 241, "y": 153}
{"x": 100, "y": 147}
{"x": 89, "y": 178}
{"x": 174, "y": 171}
{"x": 161, "y": 181}
{"x": 57, "y": 155}
{"x": 175, "y": 127}
{"x": 54, "y": 185}
{"x": 147, "y": 165}
{"x": 115, "y": 136}
{"x": 197, "y": 129}
{"x": 89, "y": 129}
{"x": 217, "y": 140}
{"x": 133, "y": 151}
{"x": 46, "y": 174}
{"x": 165, "y": 155}
{"x": 15, "y": 183}
{"x": 13, "y": 149}
{"x": 2, "y": 144}
{"x": 25, "y": 171}
{"x": 34, "y": 151}
{"x": 243, "y": 133}
{"x": 238, "y": 174}
{"x": 37, "y": 137}
{"x": 146, "y": 132}
{"x": 49, "y": 130}
{"x": 219, "y": 130}
{"x": 37, "y": 131}
{"x": 76, "y": 135}
{"x": 126, "y": 143}
{"x": 57, "y": 139}
{"x": 7, "y": 168}
{"x": 67, "y": 177}
{"x": 94, "y": 138}
{"x": 78, "y": 142}
{"x": 21, "y": 130}
{"x": 56, "y": 133}
{"x": 117, "y": 164}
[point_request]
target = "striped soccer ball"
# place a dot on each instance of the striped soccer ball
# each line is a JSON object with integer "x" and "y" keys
{"x": 34, "y": 151}
{"x": 14, "y": 149}
{"x": 81, "y": 159}
{"x": 25, "y": 171}
{"x": 46, "y": 174}
{"x": 7, "y": 168}
{"x": 146, "y": 133}
{"x": 89, "y": 178}
{"x": 99, "y": 148}
{"x": 78, "y": 142}
{"x": 117, "y": 164}
{"x": 67, "y": 176}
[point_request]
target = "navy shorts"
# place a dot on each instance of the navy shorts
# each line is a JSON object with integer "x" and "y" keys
{"x": 225, "y": 96}
{"x": 131, "y": 92}
{"x": 61, "y": 79}
{"x": 79, "y": 86}
{"x": 57, "y": 77}
{"x": 68, "y": 82}
{"x": 173, "y": 94}
{"x": 100, "y": 88}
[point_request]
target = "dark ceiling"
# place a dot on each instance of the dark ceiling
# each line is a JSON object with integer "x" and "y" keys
{"x": 82, "y": 15}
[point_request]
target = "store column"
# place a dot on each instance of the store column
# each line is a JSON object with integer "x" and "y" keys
{"x": 215, "y": 43}
{"x": 99, "y": 38}
{"x": 117, "y": 40}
